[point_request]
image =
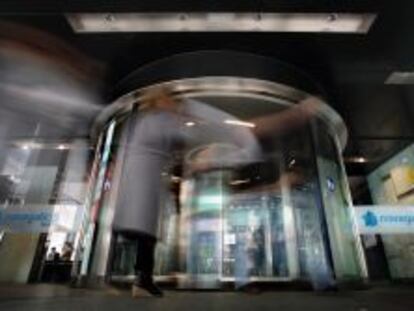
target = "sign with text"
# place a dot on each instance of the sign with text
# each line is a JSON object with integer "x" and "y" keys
{"x": 40, "y": 218}
{"x": 379, "y": 219}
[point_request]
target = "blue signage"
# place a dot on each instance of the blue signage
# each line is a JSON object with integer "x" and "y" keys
{"x": 384, "y": 219}
{"x": 25, "y": 221}
{"x": 39, "y": 218}
{"x": 43, "y": 218}
{"x": 370, "y": 219}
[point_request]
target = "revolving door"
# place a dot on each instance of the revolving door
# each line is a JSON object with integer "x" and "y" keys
{"x": 278, "y": 212}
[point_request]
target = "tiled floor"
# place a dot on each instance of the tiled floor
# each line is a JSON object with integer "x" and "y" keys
{"x": 61, "y": 298}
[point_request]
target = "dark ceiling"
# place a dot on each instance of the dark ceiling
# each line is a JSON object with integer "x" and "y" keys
{"x": 351, "y": 67}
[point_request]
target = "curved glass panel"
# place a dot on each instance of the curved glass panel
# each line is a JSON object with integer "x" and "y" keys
{"x": 239, "y": 190}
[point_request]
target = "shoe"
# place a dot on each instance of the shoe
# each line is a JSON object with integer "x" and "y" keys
{"x": 139, "y": 292}
{"x": 146, "y": 288}
{"x": 153, "y": 289}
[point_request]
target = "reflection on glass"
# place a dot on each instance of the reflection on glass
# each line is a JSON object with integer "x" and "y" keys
{"x": 240, "y": 215}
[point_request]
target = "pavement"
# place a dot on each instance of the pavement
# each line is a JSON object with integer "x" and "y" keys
{"x": 61, "y": 298}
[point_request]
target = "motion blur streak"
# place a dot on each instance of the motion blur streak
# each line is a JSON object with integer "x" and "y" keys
{"x": 47, "y": 88}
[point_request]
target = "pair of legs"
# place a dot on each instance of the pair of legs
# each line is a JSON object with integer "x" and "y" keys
{"x": 144, "y": 260}
{"x": 144, "y": 263}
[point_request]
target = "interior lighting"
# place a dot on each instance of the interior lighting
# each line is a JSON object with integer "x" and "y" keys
{"x": 360, "y": 160}
{"x": 239, "y": 182}
{"x": 175, "y": 179}
{"x": 240, "y": 123}
{"x": 357, "y": 159}
{"x": 221, "y": 21}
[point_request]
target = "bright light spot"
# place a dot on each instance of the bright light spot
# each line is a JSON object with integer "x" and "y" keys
{"x": 190, "y": 123}
{"x": 14, "y": 179}
{"x": 360, "y": 160}
{"x": 357, "y": 159}
{"x": 240, "y": 123}
{"x": 239, "y": 182}
{"x": 61, "y": 147}
{"x": 25, "y": 147}
{"x": 210, "y": 199}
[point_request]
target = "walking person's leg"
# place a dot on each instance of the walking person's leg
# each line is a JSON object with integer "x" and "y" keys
{"x": 144, "y": 266}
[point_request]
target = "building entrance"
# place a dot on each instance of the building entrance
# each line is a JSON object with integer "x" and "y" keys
{"x": 256, "y": 190}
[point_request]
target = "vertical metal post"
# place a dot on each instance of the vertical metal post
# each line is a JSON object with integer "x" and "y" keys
{"x": 289, "y": 226}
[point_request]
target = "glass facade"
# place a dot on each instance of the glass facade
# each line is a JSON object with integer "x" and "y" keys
{"x": 283, "y": 216}
{"x": 391, "y": 185}
{"x": 43, "y": 188}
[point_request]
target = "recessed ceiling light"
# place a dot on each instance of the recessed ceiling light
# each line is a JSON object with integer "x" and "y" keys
{"x": 361, "y": 160}
{"x": 356, "y": 159}
{"x": 221, "y": 21}
{"x": 240, "y": 123}
{"x": 239, "y": 182}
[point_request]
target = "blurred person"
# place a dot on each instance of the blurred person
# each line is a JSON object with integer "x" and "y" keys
{"x": 150, "y": 139}
{"x": 256, "y": 249}
{"x": 249, "y": 252}
{"x": 242, "y": 262}
{"x": 53, "y": 255}
{"x": 53, "y": 258}
{"x": 67, "y": 251}
{"x": 155, "y": 130}
{"x": 249, "y": 257}
{"x": 310, "y": 233}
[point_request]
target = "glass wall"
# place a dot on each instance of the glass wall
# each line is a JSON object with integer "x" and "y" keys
{"x": 347, "y": 254}
{"x": 242, "y": 206}
{"x": 43, "y": 187}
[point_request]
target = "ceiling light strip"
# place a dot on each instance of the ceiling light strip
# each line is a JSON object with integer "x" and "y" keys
{"x": 220, "y": 22}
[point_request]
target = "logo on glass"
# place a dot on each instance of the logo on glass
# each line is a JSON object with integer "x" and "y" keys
{"x": 370, "y": 219}
{"x": 330, "y": 184}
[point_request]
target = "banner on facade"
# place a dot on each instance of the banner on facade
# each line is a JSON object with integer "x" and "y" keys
{"x": 40, "y": 218}
{"x": 379, "y": 219}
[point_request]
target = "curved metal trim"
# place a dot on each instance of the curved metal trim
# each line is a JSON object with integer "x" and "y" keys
{"x": 217, "y": 63}
{"x": 228, "y": 86}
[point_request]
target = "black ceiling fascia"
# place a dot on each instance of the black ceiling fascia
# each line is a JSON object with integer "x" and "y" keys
{"x": 65, "y": 6}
